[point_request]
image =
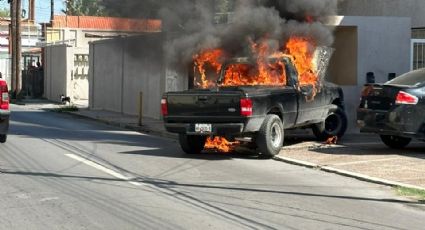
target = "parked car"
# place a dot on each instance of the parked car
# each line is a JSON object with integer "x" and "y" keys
{"x": 4, "y": 111}
{"x": 257, "y": 114}
{"x": 395, "y": 110}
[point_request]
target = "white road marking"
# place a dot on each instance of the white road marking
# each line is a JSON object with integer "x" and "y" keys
{"x": 49, "y": 199}
{"x": 103, "y": 169}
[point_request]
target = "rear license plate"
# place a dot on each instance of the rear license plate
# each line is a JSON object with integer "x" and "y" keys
{"x": 203, "y": 128}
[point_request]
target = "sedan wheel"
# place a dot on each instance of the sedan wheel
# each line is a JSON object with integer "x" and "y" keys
{"x": 395, "y": 142}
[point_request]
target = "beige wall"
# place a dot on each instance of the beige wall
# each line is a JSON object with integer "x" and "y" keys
{"x": 62, "y": 75}
{"x": 122, "y": 68}
{"x": 344, "y": 63}
{"x": 399, "y": 8}
{"x": 55, "y": 72}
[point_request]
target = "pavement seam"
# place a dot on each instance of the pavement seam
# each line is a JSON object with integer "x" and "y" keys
{"x": 358, "y": 176}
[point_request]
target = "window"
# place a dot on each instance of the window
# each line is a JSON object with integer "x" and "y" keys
{"x": 413, "y": 78}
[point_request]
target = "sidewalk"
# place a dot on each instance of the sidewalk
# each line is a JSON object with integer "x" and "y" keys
{"x": 357, "y": 155}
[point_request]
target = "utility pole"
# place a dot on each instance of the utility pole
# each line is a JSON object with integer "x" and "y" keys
{"x": 31, "y": 11}
{"x": 18, "y": 50}
{"x": 52, "y": 10}
{"x": 12, "y": 39}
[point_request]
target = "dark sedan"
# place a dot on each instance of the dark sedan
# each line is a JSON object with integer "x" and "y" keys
{"x": 395, "y": 110}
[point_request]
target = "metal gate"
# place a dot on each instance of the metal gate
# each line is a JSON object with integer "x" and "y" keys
{"x": 417, "y": 52}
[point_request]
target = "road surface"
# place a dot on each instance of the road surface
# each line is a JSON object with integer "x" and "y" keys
{"x": 58, "y": 171}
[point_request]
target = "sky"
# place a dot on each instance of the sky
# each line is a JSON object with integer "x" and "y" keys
{"x": 42, "y": 8}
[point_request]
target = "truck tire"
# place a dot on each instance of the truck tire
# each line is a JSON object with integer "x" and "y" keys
{"x": 334, "y": 125}
{"x": 3, "y": 138}
{"x": 192, "y": 144}
{"x": 270, "y": 136}
{"x": 395, "y": 142}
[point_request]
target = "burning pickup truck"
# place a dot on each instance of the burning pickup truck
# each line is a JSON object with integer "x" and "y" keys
{"x": 251, "y": 101}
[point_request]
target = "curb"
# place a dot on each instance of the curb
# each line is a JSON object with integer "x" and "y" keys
{"x": 358, "y": 176}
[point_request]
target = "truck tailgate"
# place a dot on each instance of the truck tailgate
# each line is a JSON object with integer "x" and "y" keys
{"x": 203, "y": 106}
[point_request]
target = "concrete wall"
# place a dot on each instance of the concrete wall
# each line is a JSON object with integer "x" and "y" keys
{"x": 63, "y": 75}
{"x": 383, "y": 47}
{"x": 122, "y": 68}
{"x": 79, "y": 84}
{"x": 56, "y": 74}
{"x": 400, "y": 8}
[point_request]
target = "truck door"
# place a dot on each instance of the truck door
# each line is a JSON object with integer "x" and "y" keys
{"x": 311, "y": 104}
{"x": 310, "y": 98}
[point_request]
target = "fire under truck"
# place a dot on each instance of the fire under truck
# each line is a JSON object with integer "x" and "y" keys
{"x": 251, "y": 113}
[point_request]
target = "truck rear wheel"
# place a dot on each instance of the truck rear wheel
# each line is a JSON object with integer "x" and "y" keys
{"x": 3, "y": 138}
{"x": 334, "y": 125}
{"x": 270, "y": 136}
{"x": 192, "y": 144}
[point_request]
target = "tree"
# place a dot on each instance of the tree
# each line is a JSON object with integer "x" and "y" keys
{"x": 4, "y": 13}
{"x": 84, "y": 8}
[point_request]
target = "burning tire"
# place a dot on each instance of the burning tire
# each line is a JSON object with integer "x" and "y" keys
{"x": 334, "y": 125}
{"x": 191, "y": 144}
{"x": 3, "y": 138}
{"x": 395, "y": 142}
{"x": 270, "y": 136}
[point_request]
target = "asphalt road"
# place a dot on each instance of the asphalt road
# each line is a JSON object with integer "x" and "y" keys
{"x": 62, "y": 172}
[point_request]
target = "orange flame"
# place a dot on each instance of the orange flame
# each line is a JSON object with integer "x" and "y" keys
{"x": 211, "y": 57}
{"x": 220, "y": 144}
{"x": 302, "y": 50}
{"x": 264, "y": 71}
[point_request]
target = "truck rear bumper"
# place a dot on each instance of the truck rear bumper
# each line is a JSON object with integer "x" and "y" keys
{"x": 218, "y": 129}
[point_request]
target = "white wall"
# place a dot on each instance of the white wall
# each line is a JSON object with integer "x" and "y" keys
{"x": 60, "y": 74}
{"x": 122, "y": 68}
{"x": 400, "y": 8}
{"x": 56, "y": 72}
{"x": 78, "y": 88}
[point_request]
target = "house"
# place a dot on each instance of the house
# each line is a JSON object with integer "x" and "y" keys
{"x": 31, "y": 35}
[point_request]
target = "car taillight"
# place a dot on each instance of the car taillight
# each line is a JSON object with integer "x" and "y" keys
{"x": 404, "y": 98}
{"x": 246, "y": 107}
{"x": 4, "y": 96}
{"x": 164, "y": 107}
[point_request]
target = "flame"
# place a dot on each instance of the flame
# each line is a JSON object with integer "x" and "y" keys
{"x": 213, "y": 58}
{"x": 220, "y": 144}
{"x": 264, "y": 71}
{"x": 302, "y": 50}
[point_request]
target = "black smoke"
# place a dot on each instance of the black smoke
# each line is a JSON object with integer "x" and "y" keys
{"x": 191, "y": 24}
